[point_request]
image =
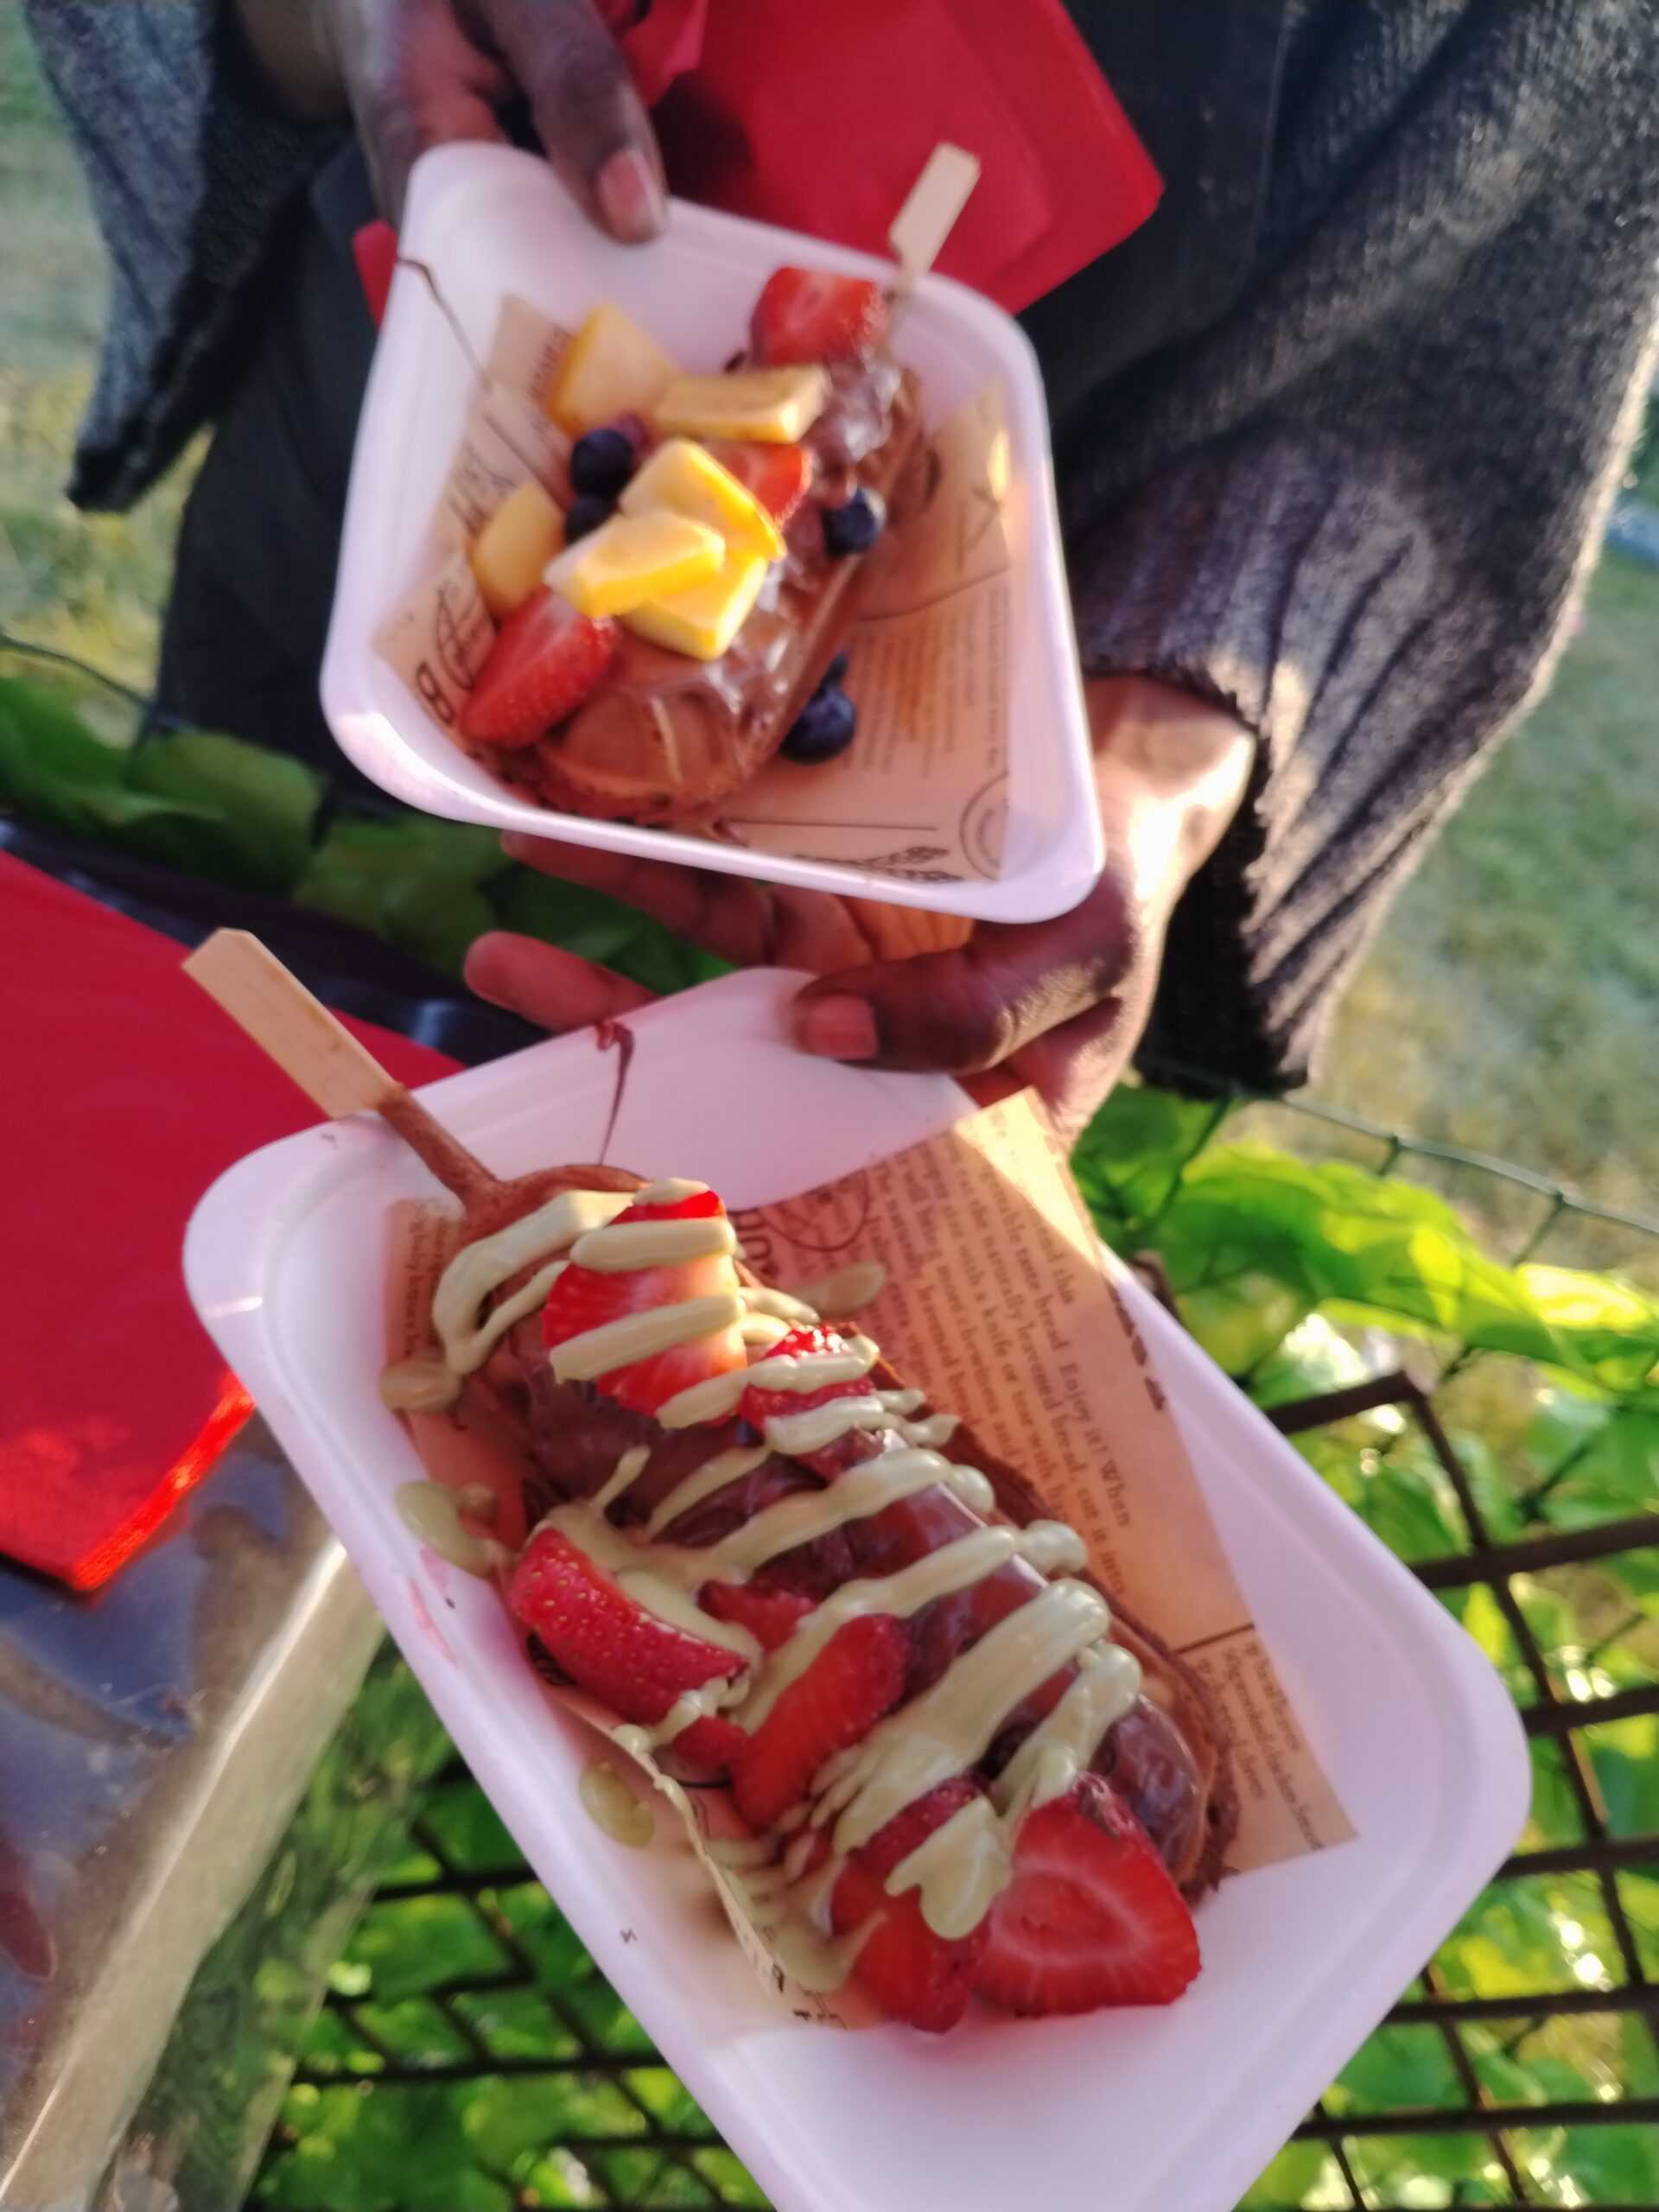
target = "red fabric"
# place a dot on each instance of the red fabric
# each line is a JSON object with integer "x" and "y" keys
{"x": 125, "y": 1092}
{"x": 820, "y": 119}
{"x": 374, "y": 249}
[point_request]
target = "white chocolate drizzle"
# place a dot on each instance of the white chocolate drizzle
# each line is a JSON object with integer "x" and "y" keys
{"x": 611, "y": 1805}
{"x": 420, "y": 1384}
{"x": 643, "y": 1335}
{"x": 946, "y": 1731}
{"x": 628, "y": 1244}
{"x": 716, "y": 1400}
{"x": 480, "y": 1269}
{"x": 845, "y": 1291}
{"x": 713, "y": 1474}
{"x": 432, "y": 1511}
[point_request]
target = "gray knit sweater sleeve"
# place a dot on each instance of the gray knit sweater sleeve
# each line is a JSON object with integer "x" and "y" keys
{"x": 190, "y": 169}
{"x": 1357, "y": 511}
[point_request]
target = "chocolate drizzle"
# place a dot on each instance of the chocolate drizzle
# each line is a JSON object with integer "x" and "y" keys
{"x": 617, "y": 1037}
{"x": 407, "y": 261}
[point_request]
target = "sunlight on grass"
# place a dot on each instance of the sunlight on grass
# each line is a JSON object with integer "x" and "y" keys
{"x": 1510, "y": 1002}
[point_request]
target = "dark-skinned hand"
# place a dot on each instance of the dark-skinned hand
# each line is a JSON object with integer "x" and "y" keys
{"x": 1058, "y": 1005}
{"x": 418, "y": 73}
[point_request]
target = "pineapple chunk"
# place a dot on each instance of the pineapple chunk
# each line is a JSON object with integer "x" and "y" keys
{"x": 703, "y": 621}
{"x": 611, "y": 367}
{"x": 687, "y": 479}
{"x": 634, "y": 558}
{"x": 773, "y": 407}
{"x": 515, "y": 545}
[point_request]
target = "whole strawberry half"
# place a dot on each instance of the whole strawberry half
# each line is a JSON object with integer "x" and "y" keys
{"x": 585, "y": 1298}
{"x": 915, "y": 1973}
{"x": 634, "y": 1662}
{"x": 1091, "y": 1916}
{"x": 812, "y": 314}
{"x": 546, "y": 661}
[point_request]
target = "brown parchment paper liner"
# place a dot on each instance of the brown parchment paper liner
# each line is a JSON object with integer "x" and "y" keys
{"x": 922, "y": 794}
{"x": 999, "y": 1302}
{"x": 1001, "y": 1299}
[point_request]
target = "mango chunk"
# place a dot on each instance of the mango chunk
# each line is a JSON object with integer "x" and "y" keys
{"x": 611, "y": 367}
{"x": 773, "y": 407}
{"x": 515, "y": 545}
{"x": 702, "y": 620}
{"x": 634, "y": 558}
{"x": 686, "y": 480}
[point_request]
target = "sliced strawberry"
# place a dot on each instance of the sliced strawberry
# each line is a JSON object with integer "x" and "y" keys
{"x": 856, "y": 1678}
{"x": 608, "y": 1645}
{"x": 778, "y": 476}
{"x": 583, "y": 1299}
{"x": 545, "y": 662}
{"x": 811, "y": 315}
{"x": 759, "y": 1406}
{"x": 913, "y": 1973}
{"x": 710, "y": 1745}
{"x": 1091, "y": 1916}
{"x": 772, "y": 1617}
{"x": 700, "y": 1206}
{"x": 891, "y": 1844}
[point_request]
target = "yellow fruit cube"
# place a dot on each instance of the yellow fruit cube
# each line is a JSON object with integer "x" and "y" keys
{"x": 773, "y": 407}
{"x": 611, "y": 367}
{"x": 687, "y": 479}
{"x": 515, "y": 545}
{"x": 634, "y": 558}
{"x": 703, "y": 621}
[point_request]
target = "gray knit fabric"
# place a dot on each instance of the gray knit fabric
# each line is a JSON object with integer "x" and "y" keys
{"x": 190, "y": 169}
{"x": 1355, "y": 510}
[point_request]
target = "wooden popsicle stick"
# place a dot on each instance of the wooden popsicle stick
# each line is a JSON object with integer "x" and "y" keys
{"x": 319, "y": 1054}
{"x": 297, "y": 1030}
{"x": 929, "y": 214}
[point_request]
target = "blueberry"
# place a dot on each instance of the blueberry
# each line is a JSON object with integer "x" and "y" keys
{"x": 854, "y": 527}
{"x": 584, "y": 514}
{"x": 825, "y": 728}
{"x": 602, "y": 462}
{"x": 837, "y": 671}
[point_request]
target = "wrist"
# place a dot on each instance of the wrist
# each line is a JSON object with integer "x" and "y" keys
{"x": 1171, "y": 771}
{"x": 288, "y": 47}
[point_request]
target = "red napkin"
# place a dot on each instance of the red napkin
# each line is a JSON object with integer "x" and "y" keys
{"x": 125, "y": 1092}
{"x": 822, "y": 118}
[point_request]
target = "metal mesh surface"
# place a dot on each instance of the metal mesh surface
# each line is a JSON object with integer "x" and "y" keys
{"x": 467, "y": 2016}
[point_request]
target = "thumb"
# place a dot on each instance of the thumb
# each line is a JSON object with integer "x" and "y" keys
{"x": 588, "y": 114}
{"x": 962, "y": 1011}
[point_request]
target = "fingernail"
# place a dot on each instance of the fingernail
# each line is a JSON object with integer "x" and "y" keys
{"x": 630, "y": 198}
{"x": 475, "y": 969}
{"x": 836, "y": 1028}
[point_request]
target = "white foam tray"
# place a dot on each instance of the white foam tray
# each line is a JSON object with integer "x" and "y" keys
{"x": 487, "y": 221}
{"x": 1171, "y": 2110}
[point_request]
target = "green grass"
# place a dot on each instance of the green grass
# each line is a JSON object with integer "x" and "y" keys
{"x": 92, "y": 585}
{"x": 1511, "y": 1001}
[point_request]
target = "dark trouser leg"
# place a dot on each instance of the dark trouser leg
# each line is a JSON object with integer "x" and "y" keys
{"x": 242, "y": 638}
